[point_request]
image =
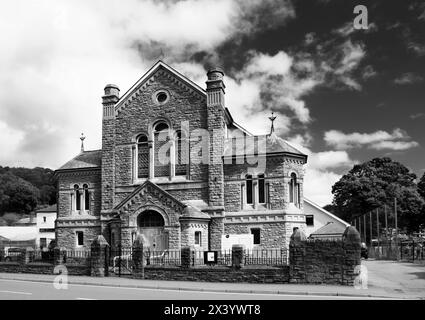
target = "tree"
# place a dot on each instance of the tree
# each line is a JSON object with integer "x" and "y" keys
{"x": 41, "y": 178}
{"x": 376, "y": 183}
{"x": 16, "y": 194}
{"x": 421, "y": 187}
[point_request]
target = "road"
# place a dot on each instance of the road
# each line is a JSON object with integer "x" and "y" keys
{"x": 27, "y": 290}
{"x": 404, "y": 278}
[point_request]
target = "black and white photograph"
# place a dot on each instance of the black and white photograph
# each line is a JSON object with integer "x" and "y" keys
{"x": 212, "y": 155}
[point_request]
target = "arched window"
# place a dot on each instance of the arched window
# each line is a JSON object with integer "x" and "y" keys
{"x": 86, "y": 197}
{"x": 261, "y": 189}
{"x": 181, "y": 154}
{"x": 77, "y": 197}
{"x": 161, "y": 158}
{"x": 249, "y": 190}
{"x": 150, "y": 219}
{"x": 294, "y": 190}
{"x": 142, "y": 157}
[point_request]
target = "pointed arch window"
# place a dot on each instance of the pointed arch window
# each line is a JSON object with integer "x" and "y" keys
{"x": 249, "y": 190}
{"x": 294, "y": 190}
{"x": 161, "y": 158}
{"x": 142, "y": 157}
{"x": 261, "y": 189}
{"x": 86, "y": 197}
{"x": 77, "y": 197}
{"x": 181, "y": 154}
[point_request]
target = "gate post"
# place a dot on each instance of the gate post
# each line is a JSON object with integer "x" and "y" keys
{"x": 97, "y": 267}
{"x": 237, "y": 255}
{"x": 138, "y": 257}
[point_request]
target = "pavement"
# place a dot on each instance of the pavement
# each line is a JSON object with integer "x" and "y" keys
{"x": 386, "y": 279}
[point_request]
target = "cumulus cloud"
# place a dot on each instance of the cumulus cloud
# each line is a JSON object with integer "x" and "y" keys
{"x": 55, "y": 66}
{"x": 408, "y": 78}
{"x": 379, "y": 140}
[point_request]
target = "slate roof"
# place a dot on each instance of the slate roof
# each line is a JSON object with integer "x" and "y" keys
{"x": 86, "y": 159}
{"x": 52, "y": 208}
{"x": 193, "y": 213}
{"x": 331, "y": 228}
{"x": 274, "y": 144}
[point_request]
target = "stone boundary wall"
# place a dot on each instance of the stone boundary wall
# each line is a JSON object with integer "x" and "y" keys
{"x": 310, "y": 261}
{"x": 219, "y": 274}
{"x": 324, "y": 261}
{"x": 42, "y": 268}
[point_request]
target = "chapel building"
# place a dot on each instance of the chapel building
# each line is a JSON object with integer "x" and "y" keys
{"x": 176, "y": 168}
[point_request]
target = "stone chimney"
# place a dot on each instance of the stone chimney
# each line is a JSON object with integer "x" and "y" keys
{"x": 215, "y": 87}
{"x": 216, "y": 126}
{"x": 111, "y": 97}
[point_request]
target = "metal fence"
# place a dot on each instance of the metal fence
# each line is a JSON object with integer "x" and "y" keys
{"x": 401, "y": 250}
{"x": 120, "y": 259}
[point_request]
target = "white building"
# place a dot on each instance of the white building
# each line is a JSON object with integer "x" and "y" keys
{"x": 45, "y": 223}
{"x": 320, "y": 223}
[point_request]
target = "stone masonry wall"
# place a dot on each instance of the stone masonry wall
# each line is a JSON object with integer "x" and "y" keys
{"x": 277, "y": 174}
{"x": 67, "y": 238}
{"x": 272, "y": 235}
{"x": 218, "y": 274}
{"x": 324, "y": 261}
{"x": 66, "y": 182}
{"x": 140, "y": 114}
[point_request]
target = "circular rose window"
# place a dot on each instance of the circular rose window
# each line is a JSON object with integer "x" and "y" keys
{"x": 161, "y": 97}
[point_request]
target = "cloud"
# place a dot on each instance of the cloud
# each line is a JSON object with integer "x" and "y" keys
{"x": 55, "y": 66}
{"x": 378, "y": 140}
{"x": 416, "y": 47}
{"x": 408, "y": 78}
{"x": 417, "y": 116}
{"x": 369, "y": 72}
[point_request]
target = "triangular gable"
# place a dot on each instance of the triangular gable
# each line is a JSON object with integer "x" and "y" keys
{"x": 152, "y": 189}
{"x": 326, "y": 212}
{"x": 149, "y": 77}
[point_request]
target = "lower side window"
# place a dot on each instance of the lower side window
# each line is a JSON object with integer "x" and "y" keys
{"x": 257, "y": 235}
{"x": 80, "y": 238}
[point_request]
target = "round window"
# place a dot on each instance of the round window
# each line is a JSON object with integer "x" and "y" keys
{"x": 161, "y": 97}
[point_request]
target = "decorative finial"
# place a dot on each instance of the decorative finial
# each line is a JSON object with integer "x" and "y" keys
{"x": 162, "y": 55}
{"x": 82, "y": 138}
{"x": 272, "y": 119}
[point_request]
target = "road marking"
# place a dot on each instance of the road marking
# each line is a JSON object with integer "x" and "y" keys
{"x": 16, "y": 292}
{"x": 219, "y": 292}
{"x": 85, "y": 299}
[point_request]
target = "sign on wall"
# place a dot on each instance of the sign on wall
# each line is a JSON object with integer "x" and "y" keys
{"x": 210, "y": 257}
{"x": 246, "y": 240}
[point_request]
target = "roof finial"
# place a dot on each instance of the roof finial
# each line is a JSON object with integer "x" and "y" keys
{"x": 162, "y": 55}
{"x": 272, "y": 119}
{"x": 82, "y": 138}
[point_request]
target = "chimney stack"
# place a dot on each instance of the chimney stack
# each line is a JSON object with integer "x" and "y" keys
{"x": 215, "y": 87}
{"x": 111, "y": 97}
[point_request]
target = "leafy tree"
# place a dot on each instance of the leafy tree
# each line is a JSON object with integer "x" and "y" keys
{"x": 376, "y": 183}
{"x": 421, "y": 186}
{"x": 41, "y": 178}
{"x": 16, "y": 194}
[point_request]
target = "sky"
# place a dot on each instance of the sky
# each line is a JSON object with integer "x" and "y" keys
{"x": 340, "y": 94}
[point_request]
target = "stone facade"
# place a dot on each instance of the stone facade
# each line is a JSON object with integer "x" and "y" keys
{"x": 170, "y": 210}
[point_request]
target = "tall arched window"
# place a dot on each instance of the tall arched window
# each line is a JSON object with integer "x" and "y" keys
{"x": 294, "y": 190}
{"x": 249, "y": 189}
{"x": 86, "y": 197}
{"x": 142, "y": 157}
{"x": 261, "y": 189}
{"x": 181, "y": 154}
{"x": 77, "y": 197}
{"x": 161, "y": 158}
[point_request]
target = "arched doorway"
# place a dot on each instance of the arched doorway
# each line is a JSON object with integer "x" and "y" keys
{"x": 150, "y": 224}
